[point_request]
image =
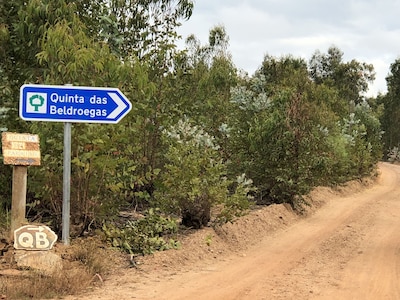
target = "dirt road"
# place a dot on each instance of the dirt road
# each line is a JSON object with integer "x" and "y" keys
{"x": 348, "y": 249}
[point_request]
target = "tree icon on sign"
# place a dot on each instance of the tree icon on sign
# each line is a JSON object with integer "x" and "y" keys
{"x": 36, "y": 101}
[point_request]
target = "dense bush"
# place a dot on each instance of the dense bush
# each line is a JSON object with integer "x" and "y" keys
{"x": 285, "y": 129}
{"x": 284, "y": 141}
{"x": 143, "y": 236}
{"x": 195, "y": 179}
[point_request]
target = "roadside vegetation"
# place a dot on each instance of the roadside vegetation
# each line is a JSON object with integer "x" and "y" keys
{"x": 86, "y": 262}
{"x": 204, "y": 141}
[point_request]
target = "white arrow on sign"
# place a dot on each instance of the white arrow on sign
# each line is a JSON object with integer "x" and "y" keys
{"x": 120, "y": 106}
{"x": 39, "y": 228}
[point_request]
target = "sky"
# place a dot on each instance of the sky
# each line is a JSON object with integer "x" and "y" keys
{"x": 365, "y": 30}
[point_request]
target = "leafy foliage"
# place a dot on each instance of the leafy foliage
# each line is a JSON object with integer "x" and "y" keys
{"x": 195, "y": 181}
{"x": 287, "y": 128}
{"x": 391, "y": 114}
{"x": 349, "y": 78}
{"x": 143, "y": 236}
{"x": 287, "y": 140}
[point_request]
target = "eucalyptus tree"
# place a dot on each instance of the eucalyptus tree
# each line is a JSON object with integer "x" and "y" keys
{"x": 274, "y": 130}
{"x": 288, "y": 134}
{"x": 91, "y": 43}
{"x": 350, "y": 79}
{"x": 145, "y": 31}
{"x": 391, "y": 115}
{"x": 200, "y": 83}
{"x": 140, "y": 27}
{"x": 286, "y": 71}
{"x": 23, "y": 25}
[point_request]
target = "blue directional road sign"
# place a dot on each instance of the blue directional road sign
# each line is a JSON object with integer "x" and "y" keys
{"x": 63, "y": 103}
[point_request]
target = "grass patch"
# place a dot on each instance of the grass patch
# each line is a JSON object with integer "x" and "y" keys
{"x": 36, "y": 286}
{"x": 86, "y": 262}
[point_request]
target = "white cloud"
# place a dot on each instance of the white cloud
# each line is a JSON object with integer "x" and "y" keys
{"x": 381, "y": 68}
{"x": 365, "y": 30}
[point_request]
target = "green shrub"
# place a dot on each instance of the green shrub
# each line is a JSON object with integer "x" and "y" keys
{"x": 143, "y": 236}
{"x": 195, "y": 179}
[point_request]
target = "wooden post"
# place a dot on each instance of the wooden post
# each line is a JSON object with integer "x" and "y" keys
{"x": 20, "y": 150}
{"x": 18, "y": 204}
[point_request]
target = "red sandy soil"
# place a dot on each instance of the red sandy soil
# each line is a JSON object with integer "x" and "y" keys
{"x": 346, "y": 246}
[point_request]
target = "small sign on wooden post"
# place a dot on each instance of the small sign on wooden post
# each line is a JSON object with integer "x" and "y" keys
{"x": 20, "y": 150}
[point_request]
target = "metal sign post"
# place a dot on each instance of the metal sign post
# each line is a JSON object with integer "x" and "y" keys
{"x": 66, "y": 184}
